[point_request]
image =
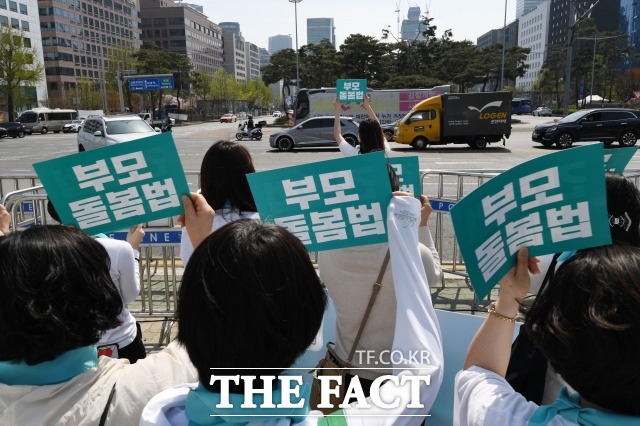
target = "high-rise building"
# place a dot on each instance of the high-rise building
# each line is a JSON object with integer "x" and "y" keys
{"x": 265, "y": 57}
{"x": 533, "y": 33}
{"x": 252, "y": 56}
{"x": 319, "y": 29}
{"x": 233, "y": 27}
{"x": 606, "y": 15}
{"x": 524, "y": 6}
{"x": 180, "y": 28}
{"x": 412, "y": 28}
{"x": 24, "y": 17}
{"x": 235, "y": 59}
{"x": 279, "y": 42}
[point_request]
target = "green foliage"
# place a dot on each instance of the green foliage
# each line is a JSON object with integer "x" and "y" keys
{"x": 18, "y": 66}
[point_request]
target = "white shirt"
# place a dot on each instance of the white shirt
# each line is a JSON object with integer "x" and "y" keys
{"x": 222, "y": 217}
{"x": 484, "y": 398}
{"x": 124, "y": 271}
{"x": 347, "y": 149}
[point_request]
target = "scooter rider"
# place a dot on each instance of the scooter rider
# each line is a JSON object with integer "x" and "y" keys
{"x": 250, "y": 123}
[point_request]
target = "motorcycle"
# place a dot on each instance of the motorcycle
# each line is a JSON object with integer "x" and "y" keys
{"x": 166, "y": 126}
{"x": 254, "y": 133}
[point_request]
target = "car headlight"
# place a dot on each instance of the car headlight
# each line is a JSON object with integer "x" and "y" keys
{"x": 552, "y": 129}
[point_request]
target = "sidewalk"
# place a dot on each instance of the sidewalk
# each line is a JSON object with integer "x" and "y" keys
{"x": 453, "y": 294}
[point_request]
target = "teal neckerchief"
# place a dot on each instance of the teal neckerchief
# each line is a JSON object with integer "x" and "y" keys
{"x": 61, "y": 369}
{"x": 100, "y": 236}
{"x": 568, "y": 406}
{"x": 201, "y": 408}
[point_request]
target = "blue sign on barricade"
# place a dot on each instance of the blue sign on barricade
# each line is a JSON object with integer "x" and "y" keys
{"x": 166, "y": 236}
{"x": 441, "y": 206}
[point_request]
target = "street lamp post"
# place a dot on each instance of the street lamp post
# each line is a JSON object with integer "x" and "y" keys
{"x": 593, "y": 64}
{"x": 295, "y": 6}
{"x": 504, "y": 42}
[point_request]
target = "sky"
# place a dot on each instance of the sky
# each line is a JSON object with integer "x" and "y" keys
{"x": 261, "y": 19}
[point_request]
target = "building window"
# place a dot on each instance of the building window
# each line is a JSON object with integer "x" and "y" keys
{"x": 3, "y": 4}
{"x": 15, "y": 24}
{"x": 25, "y": 25}
{"x": 23, "y": 9}
{"x": 13, "y": 6}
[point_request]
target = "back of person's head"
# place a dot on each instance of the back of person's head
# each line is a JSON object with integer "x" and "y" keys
{"x": 57, "y": 294}
{"x": 370, "y": 135}
{"x": 250, "y": 298}
{"x": 623, "y": 207}
{"x": 223, "y": 177}
{"x": 587, "y": 324}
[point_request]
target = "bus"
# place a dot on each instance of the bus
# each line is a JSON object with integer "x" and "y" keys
{"x": 521, "y": 106}
{"x": 43, "y": 120}
{"x": 389, "y": 105}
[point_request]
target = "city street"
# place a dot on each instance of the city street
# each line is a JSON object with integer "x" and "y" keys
{"x": 17, "y": 155}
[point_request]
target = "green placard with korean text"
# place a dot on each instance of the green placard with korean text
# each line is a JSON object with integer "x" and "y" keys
{"x": 115, "y": 187}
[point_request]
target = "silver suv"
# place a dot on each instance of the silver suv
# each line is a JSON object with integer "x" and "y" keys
{"x": 98, "y": 131}
{"x": 314, "y": 132}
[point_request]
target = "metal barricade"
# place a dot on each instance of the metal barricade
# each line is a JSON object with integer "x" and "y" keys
{"x": 15, "y": 181}
{"x": 444, "y": 189}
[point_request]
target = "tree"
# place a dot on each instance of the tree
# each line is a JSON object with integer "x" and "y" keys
{"x": 456, "y": 63}
{"x": 203, "y": 88}
{"x": 628, "y": 83}
{"x": 321, "y": 64}
{"x": 224, "y": 87}
{"x": 18, "y": 66}
{"x": 553, "y": 70}
{"x": 282, "y": 67}
{"x": 361, "y": 57}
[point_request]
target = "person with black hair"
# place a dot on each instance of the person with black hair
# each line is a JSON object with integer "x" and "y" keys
{"x": 529, "y": 371}
{"x": 125, "y": 340}
{"x": 251, "y": 303}
{"x": 587, "y": 324}
{"x": 370, "y": 133}
{"x": 58, "y": 298}
{"x": 224, "y": 184}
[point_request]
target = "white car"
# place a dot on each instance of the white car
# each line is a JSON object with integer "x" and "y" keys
{"x": 542, "y": 112}
{"x": 276, "y": 114}
{"x": 74, "y": 126}
{"x": 98, "y": 131}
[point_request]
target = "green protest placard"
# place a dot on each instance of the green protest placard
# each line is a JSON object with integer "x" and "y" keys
{"x": 117, "y": 186}
{"x": 328, "y": 204}
{"x": 550, "y": 204}
{"x": 616, "y": 160}
{"x": 351, "y": 90}
{"x": 408, "y": 171}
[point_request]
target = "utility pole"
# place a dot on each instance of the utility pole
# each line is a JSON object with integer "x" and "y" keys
{"x": 567, "y": 72}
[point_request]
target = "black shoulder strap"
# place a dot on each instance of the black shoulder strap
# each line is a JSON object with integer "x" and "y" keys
{"x": 103, "y": 418}
{"x": 549, "y": 275}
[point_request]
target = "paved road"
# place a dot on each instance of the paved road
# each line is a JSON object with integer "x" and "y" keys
{"x": 17, "y": 155}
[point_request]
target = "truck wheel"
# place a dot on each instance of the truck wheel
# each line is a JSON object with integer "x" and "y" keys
{"x": 419, "y": 143}
{"x": 628, "y": 138}
{"x": 479, "y": 143}
{"x": 285, "y": 143}
{"x": 564, "y": 140}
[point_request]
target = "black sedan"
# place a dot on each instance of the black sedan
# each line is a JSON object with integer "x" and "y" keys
{"x": 14, "y": 129}
{"x": 3, "y": 132}
{"x": 604, "y": 124}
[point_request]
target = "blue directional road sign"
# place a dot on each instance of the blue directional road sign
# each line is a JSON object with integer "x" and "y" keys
{"x": 140, "y": 83}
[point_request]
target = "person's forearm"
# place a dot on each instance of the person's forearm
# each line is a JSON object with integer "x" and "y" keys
{"x": 337, "y": 130}
{"x": 491, "y": 347}
{"x": 372, "y": 115}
